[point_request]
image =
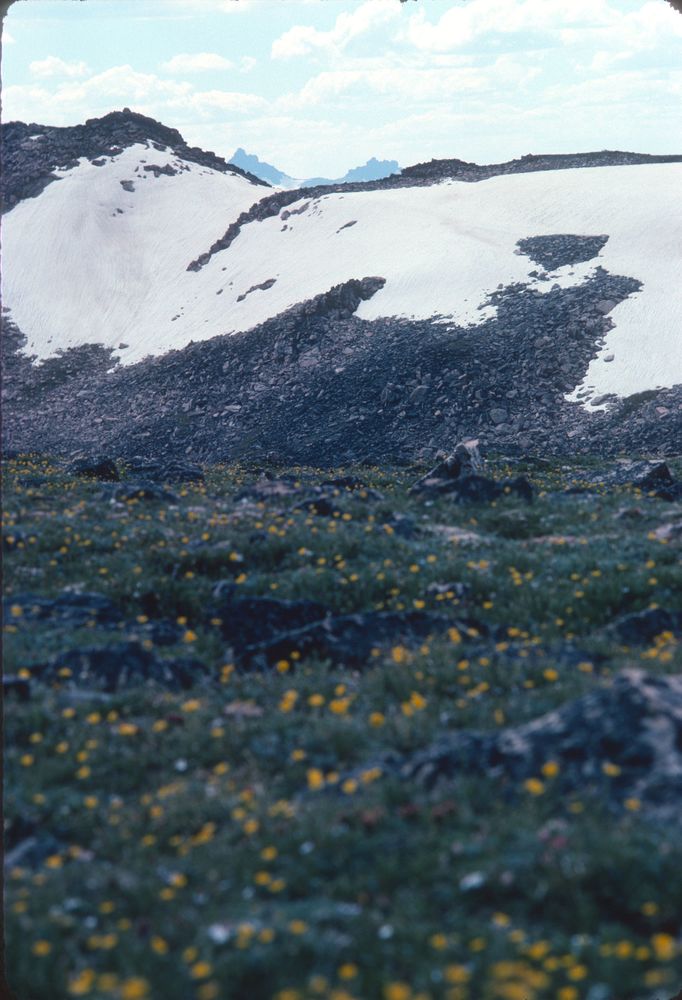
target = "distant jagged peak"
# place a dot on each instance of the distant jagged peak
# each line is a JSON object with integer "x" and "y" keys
{"x": 372, "y": 170}
{"x": 265, "y": 171}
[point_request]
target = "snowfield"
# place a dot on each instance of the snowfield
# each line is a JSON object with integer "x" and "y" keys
{"x": 88, "y": 261}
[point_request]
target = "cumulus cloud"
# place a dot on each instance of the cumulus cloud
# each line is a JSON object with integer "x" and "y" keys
{"x": 74, "y": 100}
{"x": 54, "y": 66}
{"x": 196, "y": 62}
{"x": 400, "y": 83}
{"x": 207, "y": 102}
{"x": 575, "y": 23}
{"x": 349, "y": 25}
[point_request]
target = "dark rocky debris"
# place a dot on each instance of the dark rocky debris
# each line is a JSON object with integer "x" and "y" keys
{"x": 109, "y": 668}
{"x": 99, "y": 467}
{"x": 319, "y": 386}
{"x": 68, "y": 609}
{"x": 348, "y": 639}
{"x": 29, "y": 164}
{"x": 557, "y": 251}
{"x": 622, "y": 741}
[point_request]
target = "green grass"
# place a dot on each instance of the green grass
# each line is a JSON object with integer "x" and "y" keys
{"x": 208, "y": 844}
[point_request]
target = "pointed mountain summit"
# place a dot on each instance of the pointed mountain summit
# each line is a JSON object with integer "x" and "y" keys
{"x": 373, "y": 170}
{"x": 251, "y": 163}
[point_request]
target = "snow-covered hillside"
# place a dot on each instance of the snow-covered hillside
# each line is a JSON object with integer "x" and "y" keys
{"x": 98, "y": 256}
{"x": 88, "y": 261}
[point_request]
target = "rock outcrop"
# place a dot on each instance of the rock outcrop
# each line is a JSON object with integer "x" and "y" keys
{"x": 622, "y": 741}
{"x": 31, "y": 153}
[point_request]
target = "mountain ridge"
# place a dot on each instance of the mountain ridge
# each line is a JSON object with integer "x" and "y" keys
{"x": 31, "y": 152}
{"x": 528, "y": 301}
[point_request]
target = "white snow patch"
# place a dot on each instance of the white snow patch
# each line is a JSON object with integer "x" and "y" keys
{"x": 78, "y": 271}
{"x": 89, "y": 262}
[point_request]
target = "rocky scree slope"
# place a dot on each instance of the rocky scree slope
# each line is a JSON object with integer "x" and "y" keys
{"x": 318, "y": 385}
{"x": 31, "y": 152}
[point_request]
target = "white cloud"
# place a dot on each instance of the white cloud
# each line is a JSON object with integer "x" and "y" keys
{"x": 75, "y": 100}
{"x": 460, "y": 26}
{"x": 196, "y": 62}
{"x": 580, "y": 22}
{"x": 54, "y": 66}
{"x": 400, "y": 83}
{"x": 7, "y": 38}
{"x": 206, "y": 102}
{"x": 349, "y": 25}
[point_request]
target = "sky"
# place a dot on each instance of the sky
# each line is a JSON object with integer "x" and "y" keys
{"x": 318, "y": 86}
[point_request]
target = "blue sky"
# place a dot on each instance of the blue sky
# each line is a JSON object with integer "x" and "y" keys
{"x": 318, "y": 86}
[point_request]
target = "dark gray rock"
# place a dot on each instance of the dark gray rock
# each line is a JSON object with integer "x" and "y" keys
{"x": 464, "y": 461}
{"x": 643, "y": 627}
{"x": 247, "y": 621}
{"x": 350, "y": 639}
{"x": 96, "y": 467}
{"x": 67, "y": 609}
{"x": 621, "y": 741}
{"x": 110, "y": 668}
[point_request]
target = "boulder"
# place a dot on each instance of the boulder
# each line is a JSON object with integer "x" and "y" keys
{"x": 622, "y": 741}
{"x": 465, "y": 460}
{"x": 67, "y": 609}
{"x": 247, "y": 621}
{"x": 350, "y": 639}
{"x": 95, "y": 467}
{"x": 110, "y": 668}
{"x": 643, "y": 627}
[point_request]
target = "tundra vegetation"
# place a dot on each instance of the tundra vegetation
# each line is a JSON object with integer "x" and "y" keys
{"x": 211, "y": 812}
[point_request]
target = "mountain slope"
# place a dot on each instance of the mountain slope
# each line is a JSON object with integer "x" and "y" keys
{"x": 31, "y": 153}
{"x": 442, "y": 248}
{"x": 94, "y": 248}
{"x": 533, "y": 306}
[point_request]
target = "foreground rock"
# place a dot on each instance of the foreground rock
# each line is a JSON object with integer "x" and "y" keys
{"x": 653, "y": 478}
{"x": 645, "y": 626}
{"x": 67, "y": 609}
{"x": 349, "y": 639}
{"x": 97, "y": 467}
{"x": 248, "y": 621}
{"x": 622, "y": 741}
{"x": 464, "y": 461}
{"x": 457, "y": 477}
{"x": 110, "y": 668}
